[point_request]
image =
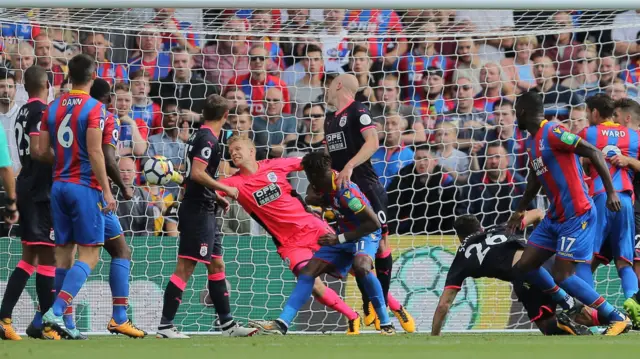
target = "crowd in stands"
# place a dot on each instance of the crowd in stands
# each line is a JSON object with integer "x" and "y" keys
{"x": 442, "y": 100}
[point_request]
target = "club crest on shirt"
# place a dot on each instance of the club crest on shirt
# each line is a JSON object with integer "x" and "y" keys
{"x": 272, "y": 177}
{"x": 204, "y": 249}
{"x": 343, "y": 121}
{"x": 541, "y": 146}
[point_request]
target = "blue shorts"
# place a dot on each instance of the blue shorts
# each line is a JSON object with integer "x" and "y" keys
{"x": 341, "y": 255}
{"x": 77, "y": 216}
{"x": 615, "y": 229}
{"x": 112, "y": 227}
{"x": 571, "y": 240}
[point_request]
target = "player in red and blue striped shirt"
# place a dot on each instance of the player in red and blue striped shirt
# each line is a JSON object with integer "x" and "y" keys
{"x": 616, "y": 230}
{"x": 72, "y": 125}
{"x": 569, "y": 228}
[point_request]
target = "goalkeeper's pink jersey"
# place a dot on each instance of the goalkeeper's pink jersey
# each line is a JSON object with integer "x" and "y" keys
{"x": 266, "y": 196}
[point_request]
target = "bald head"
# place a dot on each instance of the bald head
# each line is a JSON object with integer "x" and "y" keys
{"x": 342, "y": 90}
{"x": 348, "y": 82}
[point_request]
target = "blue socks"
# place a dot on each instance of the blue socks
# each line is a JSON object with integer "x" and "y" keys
{"x": 587, "y": 295}
{"x": 583, "y": 270}
{"x": 629, "y": 281}
{"x": 374, "y": 291}
{"x": 73, "y": 281}
{"x": 298, "y": 297}
{"x": 119, "y": 283}
{"x": 543, "y": 280}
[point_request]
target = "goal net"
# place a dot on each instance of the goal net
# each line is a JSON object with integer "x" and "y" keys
{"x": 440, "y": 85}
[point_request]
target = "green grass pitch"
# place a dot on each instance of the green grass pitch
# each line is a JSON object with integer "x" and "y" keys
{"x": 370, "y": 346}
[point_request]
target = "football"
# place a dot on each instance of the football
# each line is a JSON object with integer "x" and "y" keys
{"x": 158, "y": 170}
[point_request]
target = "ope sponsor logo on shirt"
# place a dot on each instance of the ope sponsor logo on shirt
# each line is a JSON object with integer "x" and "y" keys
{"x": 336, "y": 141}
{"x": 267, "y": 194}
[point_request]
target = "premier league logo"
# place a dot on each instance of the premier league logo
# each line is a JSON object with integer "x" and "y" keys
{"x": 343, "y": 121}
{"x": 204, "y": 249}
{"x": 272, "y": 177}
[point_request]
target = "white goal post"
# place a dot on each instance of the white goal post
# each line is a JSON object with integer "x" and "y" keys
{"x": 448, "y": 75}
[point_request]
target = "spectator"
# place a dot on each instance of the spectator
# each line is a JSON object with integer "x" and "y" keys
{"x": 236, "y": 98}
{"x": 510, "y": 137}
{"x": 583, "y": 72}
{"x": 313, "y": 116}
{"x": 261, "y": 21}
{"x": 143, "y": 108}
{"x": 178, "y": 33}
{"x": 137, "y": 213}
{"x": 167, "y": 143}
{"x": 519, "y": 69}
{"x": 389, "y": 159}
{"x": 310, "y": 88}
{"x": 240, "y": 123}
{"x": 619, "y": 89}
{"x": 228, "y": 55}
{"x": 422, "y": 198}
{"x": 64, "y": 39}
{"x": 42, "y": 49}
{"x": 560, "y": 47}
{"x": 25, "y": 29}
{"x": 492, "y": 48}
{"x": 556, "y": 97}
{"x": 133, "y": 133}
{"x": 95, "y": 45}
{"x": 470, "y": 121}
{"x": 184, "y": 86}
{"x": 149, "y": 57}
{"x": 360, "y": 66}
{"x": 421, "y": 56}
{"x": 494, "y": 192}
{"x": 379, "y": 24}
{"x": 333, "y": 38}
{"x": 625, "y": 36}
{"x": 275, "y": 128}
{"x": 577, "y": 119}
{"x": 453, "y": 161}
{"x": 493, "y": 89}
{"x": 433, "y": 102}
{"x": 23, "y": 57}
{"x": 255, "y": 83}
{"x": 8, "y": 113}
{"x": 626, "y": 113}
{"x": 467, "y": 63}
{"x": 608, "y": 70}
{"x": 388, "y": 95}
{"x": 293, "y": 46}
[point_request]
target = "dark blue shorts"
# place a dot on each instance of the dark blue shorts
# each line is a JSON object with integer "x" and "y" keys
{"x": 77, "y": 216}
{"x": 112, "y": 227}
{"x": 615, "y": 230}
{"x": 341, "y": 255}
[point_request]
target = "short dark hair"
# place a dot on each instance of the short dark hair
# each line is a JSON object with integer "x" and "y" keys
{"x": 240, "y": 110}
{"x": 100, "y": 89}
{"x": 423, "y": 146}
{"x": 317, "y": 162}
{"x": 311, "y": 48}
{"x": 503, "y": 102}
{"x": 627, "y": 104}
{"x": 311, "y": 105}
{"x": 121, "y": 86}
{"x": 603, "y": 103}
{"x": 138, "y": 74}
{"x": 6, "y": 75}
{"x": 35, "y": 79}
{"x": 529, "y": 105}
{"x": 215, "y": 107}
{"x": 81, "y": 69}
{"x": 359, "y": 48}
{"x": 166, "y": 102}
{"x": 466, "y": 225}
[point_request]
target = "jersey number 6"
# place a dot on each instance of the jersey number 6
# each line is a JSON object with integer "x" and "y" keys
{"x": 65, "y": 134}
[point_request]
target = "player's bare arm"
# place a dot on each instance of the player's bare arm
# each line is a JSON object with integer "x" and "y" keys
{"x": 370, "y": 146}
{"x": 113, "y": 171}
{"x": 39, "y": 153}
{"x": 9, "y": 183}
{"x": 625, "y": 161}
{"x": 96, "y": 157}
{"x": 585, "y": 149}
{"x": 199, "y": 174}
{"x": 531, "y": 191}
{"x": 368, "y": 224}
{"x": 439, "y": 317}
{"x": 532, "y": 217}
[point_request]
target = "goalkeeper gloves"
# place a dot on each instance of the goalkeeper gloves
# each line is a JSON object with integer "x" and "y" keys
{"x": 177, "y": 177}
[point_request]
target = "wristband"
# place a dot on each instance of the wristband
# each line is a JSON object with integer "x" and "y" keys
{"x": 341, "y": 238}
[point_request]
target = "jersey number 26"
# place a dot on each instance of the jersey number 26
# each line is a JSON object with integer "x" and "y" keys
{"x": 481, "y": 249}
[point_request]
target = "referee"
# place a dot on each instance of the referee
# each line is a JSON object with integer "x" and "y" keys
{"x": 351, "y": 139}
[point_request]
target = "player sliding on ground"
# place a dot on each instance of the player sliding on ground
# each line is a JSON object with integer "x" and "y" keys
{"x": 351, "y": 139}
{"x": 615, "y": 238}
{"x": 199, "y": 236}
{"x": 265, "y": 193}
{"x": 569, "y": 228}
{"x": 492, "y": 254}
{"x": 354, "y": 248}
{"x": 72, "y": 125}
